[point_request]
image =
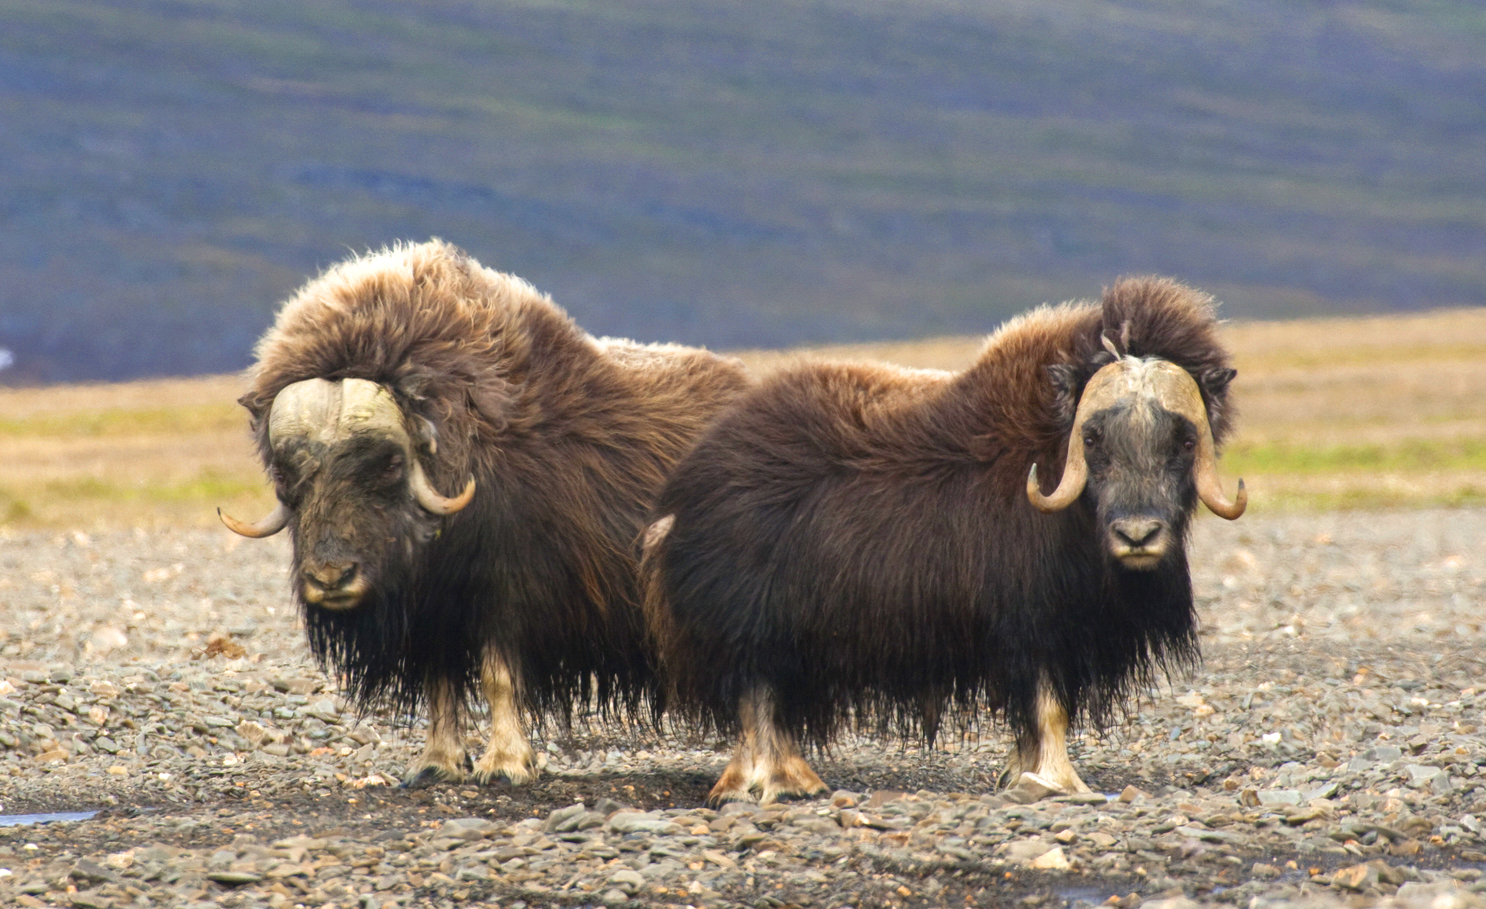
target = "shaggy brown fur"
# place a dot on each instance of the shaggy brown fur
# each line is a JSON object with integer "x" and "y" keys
{"x": 531, "y": 590}
{"x": 856, "y": 540}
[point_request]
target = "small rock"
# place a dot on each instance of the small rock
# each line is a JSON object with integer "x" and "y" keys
{"x": 107, "y": 638}
{"x": 231, "y": 878}
{"x": 1407, "y": 847}
{"x": 639, "y": 822}
{"x": 1274, "y": 798}
{"x": 564, "y": 819}
{"x": 90, "y": 872}
{"x": 1132, "y": 794}
{"x": 1355, "y": 877}
{"x": 1030, "y": 788}
{"x": 1022, "y": 852}
{"x": 296, "y": 685}
{"x": 627, "y": 880}
{"x": 1310, "y": 813}
{"x": 1083, "y": 798}
{"x": 90, "y": 899}
{"x": 1211, "y": 836}
{"x": 324, "y": 710}
{"x": 468, "y": 828}
{"x": 1052, "y": 860}
{"x": 881, "y": 797}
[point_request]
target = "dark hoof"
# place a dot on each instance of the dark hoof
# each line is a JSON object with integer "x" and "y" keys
{"x": 428, "y": 776}
{"x": 492, "y": 779}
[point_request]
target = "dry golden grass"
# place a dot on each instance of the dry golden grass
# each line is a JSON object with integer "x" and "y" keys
{"x": 1375, "y": 412}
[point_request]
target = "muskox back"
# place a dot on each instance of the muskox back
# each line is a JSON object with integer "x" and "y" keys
{"x": 436, "y": 374}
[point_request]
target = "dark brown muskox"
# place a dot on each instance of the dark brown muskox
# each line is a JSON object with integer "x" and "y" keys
{"x": 863, "y": 541}
{"x": 398, "y": 375}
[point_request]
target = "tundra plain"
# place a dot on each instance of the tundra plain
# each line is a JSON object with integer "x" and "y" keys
{"x": 1374, "y": 412}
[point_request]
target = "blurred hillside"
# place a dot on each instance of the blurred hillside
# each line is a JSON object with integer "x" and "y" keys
{"x": 772, "y": 173}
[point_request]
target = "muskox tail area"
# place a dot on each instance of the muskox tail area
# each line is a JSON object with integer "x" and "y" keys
{"x": 696, "y": 687}
{"x": 662, "y": 634}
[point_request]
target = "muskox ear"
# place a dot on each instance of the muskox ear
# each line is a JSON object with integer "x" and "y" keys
{"x": 1064, "y": 380}
{"x": 425, "y": 436}
{"x": 492, "y": 396}
{"x": 1215, "y": 381}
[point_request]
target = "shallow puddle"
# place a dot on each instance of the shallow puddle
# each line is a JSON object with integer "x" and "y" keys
{"x": 23, "y": 820}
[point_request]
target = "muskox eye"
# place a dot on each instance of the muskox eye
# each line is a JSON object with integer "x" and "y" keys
{"x": 1189, "y": 444}
{"x": 1091, "y": 439}
{"x": 394, "y": 466}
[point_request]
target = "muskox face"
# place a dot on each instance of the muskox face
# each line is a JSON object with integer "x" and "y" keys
{"x": 351, "y": 488}
{"x": 1141, "y": 451}
{"x": 1139, "y": 460}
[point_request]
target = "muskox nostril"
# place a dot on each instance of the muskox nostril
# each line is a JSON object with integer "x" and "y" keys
{"x": 1138, "y": 533}
{"x": 332, "y": 575}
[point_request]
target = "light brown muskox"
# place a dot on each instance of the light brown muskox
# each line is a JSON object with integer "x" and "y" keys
{"x": 465, "y": 475}
{"x": 863, "y": 541}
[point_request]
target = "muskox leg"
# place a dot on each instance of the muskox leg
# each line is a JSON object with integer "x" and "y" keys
{"x": 443, "y": 759}
{"x": 767, "y": 760}
{"x": 1045, "y": 751}
{"x": 509, "y": 755}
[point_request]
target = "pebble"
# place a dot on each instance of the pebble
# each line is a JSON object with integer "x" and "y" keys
{"x": 1330, "y": 751}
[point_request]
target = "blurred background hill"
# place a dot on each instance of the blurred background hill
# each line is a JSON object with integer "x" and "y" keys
{"x": 761, "y": 174}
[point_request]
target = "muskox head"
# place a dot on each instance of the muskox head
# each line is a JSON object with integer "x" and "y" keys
{"x": 1141, "y": 448}
{"x": 346, "y": 466}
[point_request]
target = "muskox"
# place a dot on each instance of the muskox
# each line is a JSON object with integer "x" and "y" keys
{"x": 859, "y": 542}
{"x": 465, "y": 476}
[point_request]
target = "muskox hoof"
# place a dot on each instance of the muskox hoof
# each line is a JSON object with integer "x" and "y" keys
{"x": 719, "y": 796}
{"x": 433, "y": 775}
{"x": 506, "y": 776}
{"x": 1004, "y": 779}
{"x": 428, "y": 776}
{"x": 781, "y": 787}
{"x": 510, "y": 762}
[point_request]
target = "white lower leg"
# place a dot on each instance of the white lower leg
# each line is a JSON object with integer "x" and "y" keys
{"x": 509, "y": 754}
{"x": 767, "y": 760}
{"x": 1048, "y": 755}
{"x": 443, "y": 753}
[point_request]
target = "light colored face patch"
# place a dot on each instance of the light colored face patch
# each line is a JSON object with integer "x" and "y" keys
{"x": 319, "y": 410}
{"x": 1157, "y": 383}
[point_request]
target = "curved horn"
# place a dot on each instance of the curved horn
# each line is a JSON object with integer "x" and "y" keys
{"x": 1102, "y": 387}
{"x": 1178, "y": 392}
{"x": 431, "y": 501}
{"x": 270, "y": 525}
{"x": 1071, "y": 486}
{"x": 1209, "y": 490}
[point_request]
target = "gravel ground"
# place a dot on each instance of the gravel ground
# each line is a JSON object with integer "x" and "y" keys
{"x": 1329, "y": 752}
